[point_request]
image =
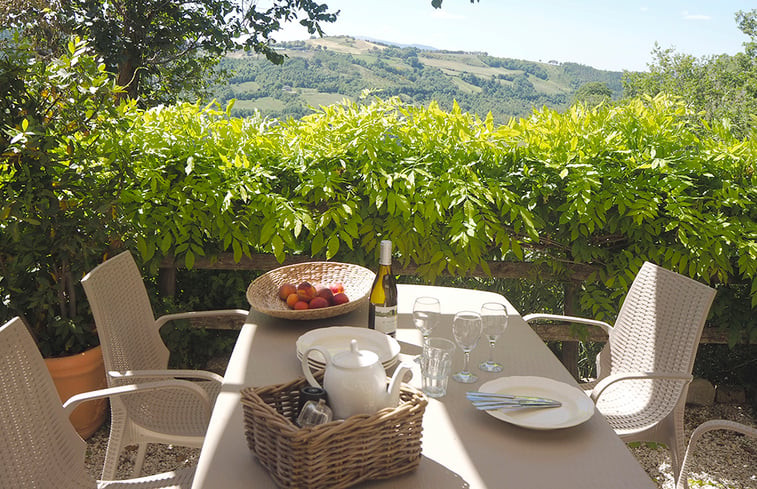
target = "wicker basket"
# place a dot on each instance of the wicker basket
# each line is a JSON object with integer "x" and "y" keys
{"x": 336, "y": 454}
{"x": 262, "y": 294}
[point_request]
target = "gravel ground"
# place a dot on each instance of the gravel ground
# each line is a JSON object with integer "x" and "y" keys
{"x": 730, "y": 463}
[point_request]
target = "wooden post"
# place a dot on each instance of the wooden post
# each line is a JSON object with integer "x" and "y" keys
{"x": 167, "y": 281}
{"x": 570, "y": 348}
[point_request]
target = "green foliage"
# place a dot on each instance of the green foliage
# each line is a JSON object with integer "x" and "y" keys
{"x": 593, "y": 93}
{"x": 723, "y": 87}
{"x": 191, "y": 347}
{"x": 60, "y": 175}
{"x": 609, "y": 186}
{"x": 161, "y": 50}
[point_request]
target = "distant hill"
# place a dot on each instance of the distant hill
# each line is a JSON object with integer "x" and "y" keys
{"x": 422, "y": 47}
{"x": 322, "y": 71}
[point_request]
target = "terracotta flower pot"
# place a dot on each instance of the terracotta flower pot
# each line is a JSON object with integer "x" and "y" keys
{"x": 81, "y": 373}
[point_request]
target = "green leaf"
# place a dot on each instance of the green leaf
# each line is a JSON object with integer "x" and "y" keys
{"x": 333, "y": 246}
{"x": 277, "y": 246}
{"x": 317, "y": 244}
{"x": 189, "y": 260}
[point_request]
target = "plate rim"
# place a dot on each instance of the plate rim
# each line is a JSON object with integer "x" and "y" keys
{"x": 394, "y": 344}
{"x": 581, "y": 417}
{"x": 314, "y": 364}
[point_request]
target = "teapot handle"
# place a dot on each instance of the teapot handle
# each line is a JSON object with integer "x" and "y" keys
{"x": 306, "y": 367}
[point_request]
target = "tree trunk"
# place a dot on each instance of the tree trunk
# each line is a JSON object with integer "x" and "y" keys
{"x": 128, "y": 78}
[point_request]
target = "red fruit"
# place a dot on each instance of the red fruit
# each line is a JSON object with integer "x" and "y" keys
{"x": 292, "y": 299}
{"x": 337, "y": 287}
{"x": 318, "y": 302}
{"x": 325, "y": 293}
{"x": 286, "y": 290}
{"x": 305, "y": 291}
{"x": 340, "y": 298}
{"x": 300, "y": 305}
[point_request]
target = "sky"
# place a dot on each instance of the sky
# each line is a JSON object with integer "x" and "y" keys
{"x": 606, "y": 34}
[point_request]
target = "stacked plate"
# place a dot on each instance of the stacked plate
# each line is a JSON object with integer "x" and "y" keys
{"x": 337, "y": 339}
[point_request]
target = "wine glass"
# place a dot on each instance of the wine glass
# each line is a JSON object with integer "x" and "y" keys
{"x": 494, "y": 320}
{"x": 425, "y": 315}
{"x": 466, "y": 328}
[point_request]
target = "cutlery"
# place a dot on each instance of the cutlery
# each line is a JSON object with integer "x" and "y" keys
{"x": 490, "y": 406}
{"x": 491, "y": 397}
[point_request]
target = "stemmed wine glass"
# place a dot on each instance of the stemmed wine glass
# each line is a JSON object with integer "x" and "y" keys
{"x": 494, "y": 319}
{"x": 466, "y": 328}
{"x": 425, "y": 315}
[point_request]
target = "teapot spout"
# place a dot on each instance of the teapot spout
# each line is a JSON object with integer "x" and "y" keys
{"x": 393, "y": 393}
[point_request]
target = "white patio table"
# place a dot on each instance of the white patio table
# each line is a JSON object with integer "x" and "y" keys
{"x": 462, "y": 447}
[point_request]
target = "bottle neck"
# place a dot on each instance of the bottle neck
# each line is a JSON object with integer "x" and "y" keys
{"x": 385, "y": 258}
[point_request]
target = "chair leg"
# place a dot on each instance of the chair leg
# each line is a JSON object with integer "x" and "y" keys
{"x": 116, "y": 441}
{"x": 671, "y": 430}
{"x": 140, "y": 460}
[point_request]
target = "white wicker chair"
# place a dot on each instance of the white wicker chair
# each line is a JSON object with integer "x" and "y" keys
{"x": 134, "y": 352}
{"x": 644, "y": 371}
{"x": 40, "y": 447}
{"x": 714, "y": 424}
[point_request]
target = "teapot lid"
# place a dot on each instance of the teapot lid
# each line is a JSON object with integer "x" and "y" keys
{"x": 354, "y": 358}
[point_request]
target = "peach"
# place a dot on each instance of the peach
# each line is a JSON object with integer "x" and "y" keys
{"x": 340, "y": 298}
{"x": 286, "y": 290}
{"x": 305, "y": 291}
{"x": 318, "y": 302}
{"x": 325, "y": 293}
{"x": 292, "y": 299}
{"x": 337, "y": 287}
{"x": 300, "y": 305}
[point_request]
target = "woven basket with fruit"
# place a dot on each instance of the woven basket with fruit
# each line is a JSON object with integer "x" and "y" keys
{"x": 313, "y": 290}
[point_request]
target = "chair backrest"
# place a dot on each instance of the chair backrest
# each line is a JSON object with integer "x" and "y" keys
{"x": 660, "y": 322}
{"x": 40, "y": 448}
{"x": 124, "y": 317}
{"x": 658, "y": 329}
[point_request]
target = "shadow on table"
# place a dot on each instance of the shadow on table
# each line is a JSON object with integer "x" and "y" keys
{"x": 428, "y": 474}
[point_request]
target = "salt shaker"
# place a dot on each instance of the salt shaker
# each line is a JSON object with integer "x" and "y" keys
{"x": 314, "y": 413}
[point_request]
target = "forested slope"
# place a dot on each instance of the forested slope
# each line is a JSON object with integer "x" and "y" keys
{"x": 323, "y": 71}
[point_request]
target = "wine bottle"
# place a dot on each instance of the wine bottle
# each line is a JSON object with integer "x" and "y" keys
{"x": 382, "y": 307}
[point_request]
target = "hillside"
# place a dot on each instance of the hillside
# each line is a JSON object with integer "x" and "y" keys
{"x": 327, "y": 70}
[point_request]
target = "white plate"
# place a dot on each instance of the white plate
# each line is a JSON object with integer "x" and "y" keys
{"x": 576, "y": 407}
{"x": 337, "y": 338}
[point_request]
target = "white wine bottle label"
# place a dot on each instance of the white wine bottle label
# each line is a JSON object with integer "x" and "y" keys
{"x": 386, "y": 319}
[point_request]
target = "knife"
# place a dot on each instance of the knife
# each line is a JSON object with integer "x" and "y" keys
{"x": 484, "y": 397}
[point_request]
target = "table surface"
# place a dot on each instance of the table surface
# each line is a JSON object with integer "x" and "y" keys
{"x": 462, "y": 447}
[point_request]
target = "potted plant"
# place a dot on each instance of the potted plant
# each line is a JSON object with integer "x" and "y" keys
{"x": 57, "y": 192}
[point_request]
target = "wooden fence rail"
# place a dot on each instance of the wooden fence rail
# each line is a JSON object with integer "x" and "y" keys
{"x": 521, "y": 270}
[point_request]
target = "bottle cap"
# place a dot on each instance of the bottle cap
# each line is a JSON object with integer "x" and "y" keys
{"x": 386, "y": 253}
{"x": 310, "y": 393}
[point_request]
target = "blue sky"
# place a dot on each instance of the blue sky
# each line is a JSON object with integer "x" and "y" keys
{"x": 607, "y": 34}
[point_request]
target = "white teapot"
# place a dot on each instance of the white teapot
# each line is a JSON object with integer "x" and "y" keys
{"x": 355, "y": 381}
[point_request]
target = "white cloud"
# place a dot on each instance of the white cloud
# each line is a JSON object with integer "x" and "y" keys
{"x": 688, "y": 16}
{"x": 644, "y": 9}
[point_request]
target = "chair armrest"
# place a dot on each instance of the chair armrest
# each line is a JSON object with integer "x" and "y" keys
{"x": 199, "y": 314}
{"x": 570, "y": 319}
{"x": 611, "y": 379}
{"x": 722, "y": 424}
{"x": 175, "y": 373}
{"x": 73, "y": 401}
{"x": 713, "y": 424}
